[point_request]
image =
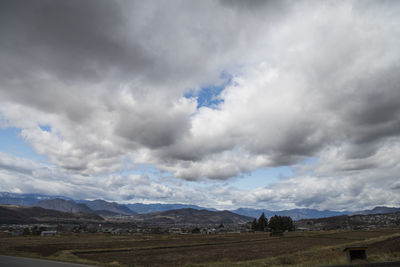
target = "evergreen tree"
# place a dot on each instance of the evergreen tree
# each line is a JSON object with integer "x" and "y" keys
{"x": 288, "y": 223}
{"x": 275, "y": 223}
{"x": 281, "y": 223}
{"x": 262, "y": 223}
{"x": 254, "y": 225}
{"x": 26, "y": 231}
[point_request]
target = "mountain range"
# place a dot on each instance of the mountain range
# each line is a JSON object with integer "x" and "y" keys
{"x": 63, "y": 205}
{"x": 105, "y": 208}
{"x": 378, "y": 210}
{"x": 25, "y": 199}
{"x": 102, "y": 206}
{"x": 191, "y": 216}
{"x": 98, "y": 206}
{"x": 295, "y": 214}
{"x": 148, "y": 208}
{"x": 18, "y": 214}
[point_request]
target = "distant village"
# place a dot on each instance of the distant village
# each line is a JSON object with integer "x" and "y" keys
{"x": 24, "y": 215}
{"x": 120, "y": 227}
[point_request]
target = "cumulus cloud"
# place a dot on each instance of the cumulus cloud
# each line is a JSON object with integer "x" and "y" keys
{"x": 109, "y": 80}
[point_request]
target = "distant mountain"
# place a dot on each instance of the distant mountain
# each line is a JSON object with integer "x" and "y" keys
{"x": 148, "y": 208}
{"x": 113, "y": 207}
{"x": 24, "y": 199}
{"x": 16, "y": 214}
{"x": 191, "y": 216}
{"x": 378, "y": 210}
{"x": 105, "y": 208}
{"x": 63, "y": 205}
{"x": 295, "y": 214}
{"x": 106, "y": 213}
{"x": 255, "y": 213}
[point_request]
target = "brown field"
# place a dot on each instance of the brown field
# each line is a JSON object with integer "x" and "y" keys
{"x": 246, "y": 249}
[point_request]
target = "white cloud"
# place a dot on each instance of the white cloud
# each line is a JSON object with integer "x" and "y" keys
{"x": 310, "y": 79}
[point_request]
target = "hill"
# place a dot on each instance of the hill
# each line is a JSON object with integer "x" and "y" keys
{"x": 24, "y": 199}
{"x": 105, "y": 207}
{"x": 63, "y": 205}
{"x": 112, "y": 208}
{"x": 191, "y": 217}
{"x": 141, "y": 208}
{"x": 295, "y": 214}
{"x": 379, "y": 210}
{"x": 16, "y": 214}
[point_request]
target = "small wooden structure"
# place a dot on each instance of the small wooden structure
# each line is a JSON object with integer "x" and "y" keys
{"x": 48, "y": 233}
{"x": 356, "y": 253}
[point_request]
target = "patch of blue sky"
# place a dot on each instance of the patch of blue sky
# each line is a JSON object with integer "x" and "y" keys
{"x": 148, "y": 170}
{"x": 209, "y": 95}
{"x": 12, "y": 143}
{"x": 46, "y": 128}
{"x": 262, "y": 177}
{"x": 307, "y": 165}
{"x": 141, "y": 169}
{"x": 309, "y": 161}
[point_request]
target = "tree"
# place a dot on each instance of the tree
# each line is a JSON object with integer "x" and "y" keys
{"x": 196, "y": 231}
{"x": 281, "y": 223}
{"x": 26, "y": 231}
{"x": 287, "y": 223}
{"x": 254, "y": 225}
{"x": 35, "y": 230}
{"x": 262, "y": 223}
{"x": 275, "y": 223}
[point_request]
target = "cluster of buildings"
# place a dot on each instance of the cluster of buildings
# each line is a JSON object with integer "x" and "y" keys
{"x": 119, "y": 229}
{"x": 29, "y": 229}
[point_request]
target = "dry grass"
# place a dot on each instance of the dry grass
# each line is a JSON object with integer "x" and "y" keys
{"x": 252, "y": 249}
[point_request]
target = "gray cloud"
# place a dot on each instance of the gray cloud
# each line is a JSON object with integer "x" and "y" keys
{"x": 309, "y": 79}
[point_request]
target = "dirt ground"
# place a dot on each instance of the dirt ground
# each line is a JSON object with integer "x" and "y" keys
{"x": 179, "y": 250}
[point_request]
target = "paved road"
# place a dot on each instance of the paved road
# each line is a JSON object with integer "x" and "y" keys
{"x": 374, "y": 264}
{"x": 8, "y": 261}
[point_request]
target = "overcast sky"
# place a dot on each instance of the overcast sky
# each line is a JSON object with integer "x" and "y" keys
{"x": 267, "y": 104}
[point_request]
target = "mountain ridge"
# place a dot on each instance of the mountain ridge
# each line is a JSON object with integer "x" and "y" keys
{"x": 106, "y": 208}
{"x": 63, "y": 205}
{"x": 141, "y": 208}
{"x": 378, "y": 210}
{"x": 295, "y": 214}
{"x": 102, "y": 205}
{"x": 192, "y": 216}
{"x": 17, "y": 214}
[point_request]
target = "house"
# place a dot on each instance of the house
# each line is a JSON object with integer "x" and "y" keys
{"x": 106, "y": 230}
{"x": 48, "y": 233}
{"x": 117, "y": 231}
{"x": 15, "y": 233}
{"x": 208, "y": 231}
{"x": 175, "y": 231}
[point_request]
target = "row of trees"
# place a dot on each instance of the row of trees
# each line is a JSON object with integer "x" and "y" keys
{"x": 275, "y": 223}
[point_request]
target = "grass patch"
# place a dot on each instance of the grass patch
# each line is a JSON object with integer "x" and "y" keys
{"x": 247, "y": 249}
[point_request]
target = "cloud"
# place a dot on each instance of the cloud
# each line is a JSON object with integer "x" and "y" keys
{"x": 24, "y": 175}
{"x": 309, "y": 79}
{"x": 109, "y": 76}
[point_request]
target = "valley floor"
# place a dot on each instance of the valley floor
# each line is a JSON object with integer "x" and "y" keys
{"x": 245, "y": 249}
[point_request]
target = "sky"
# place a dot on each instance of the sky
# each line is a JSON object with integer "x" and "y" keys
{"x": 225, "y": 104}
